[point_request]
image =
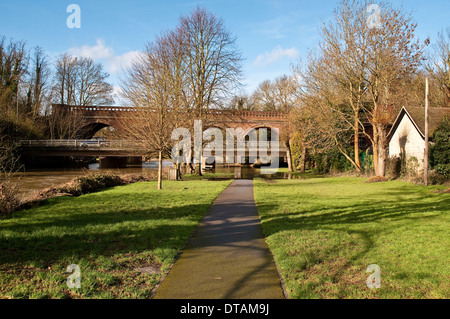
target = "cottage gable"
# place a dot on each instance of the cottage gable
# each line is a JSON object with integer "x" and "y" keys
{"x": 407, "y": 136}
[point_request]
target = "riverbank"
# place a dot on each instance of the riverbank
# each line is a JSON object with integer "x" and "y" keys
{"x": 87, "y": 183}
{"x": 13, "y": 200}
{"x": 34, "y": 180}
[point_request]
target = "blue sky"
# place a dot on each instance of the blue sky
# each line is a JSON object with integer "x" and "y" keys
{"x": 272, "y": 34}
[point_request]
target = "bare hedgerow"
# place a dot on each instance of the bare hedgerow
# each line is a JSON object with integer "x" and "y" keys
{"x": 89, "y": 183}
{"x": 9, "y": 201}
{"x": 9, "y": 164}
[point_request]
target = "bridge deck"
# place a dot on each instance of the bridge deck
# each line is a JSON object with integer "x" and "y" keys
{"x": 84, "y": 148}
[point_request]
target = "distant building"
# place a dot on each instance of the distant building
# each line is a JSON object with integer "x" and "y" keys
{"x": 407, "y": 135}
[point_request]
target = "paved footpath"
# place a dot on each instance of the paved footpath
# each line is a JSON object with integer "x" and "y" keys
{"x": 227, "y": 257}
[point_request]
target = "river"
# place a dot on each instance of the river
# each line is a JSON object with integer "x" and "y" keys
{"x": 38, "y": 179}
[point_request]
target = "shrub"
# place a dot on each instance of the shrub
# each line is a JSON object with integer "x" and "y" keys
{"x": 9, "y": 201}
{"x": 332, "y": 160}
{"x": 411, "y": 168}
{"x": 443, "y": 169}
{"x": 434, "y": 178}
{"x": 377, "y": 179}
{"x": 394, "y": 167}
{"x": 440, "y": 151}
{"x": 91, "y": 183}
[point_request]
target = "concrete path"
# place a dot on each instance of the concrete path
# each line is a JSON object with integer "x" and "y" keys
{"x": 227, "y": 257}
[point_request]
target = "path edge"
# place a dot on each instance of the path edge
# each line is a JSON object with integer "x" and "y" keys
{"x": 280, "y": 276}
{"x": 180, "y": 252}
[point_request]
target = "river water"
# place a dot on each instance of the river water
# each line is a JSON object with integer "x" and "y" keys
{"x": 36, "y": 180}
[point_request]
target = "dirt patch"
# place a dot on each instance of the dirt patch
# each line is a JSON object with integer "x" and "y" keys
{"x": 377, "y": 179}
{"x": 442, "y": 191}
{"x": 148, "y": 269}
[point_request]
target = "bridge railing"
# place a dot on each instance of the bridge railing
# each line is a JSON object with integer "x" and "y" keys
{"x": 79, "y": 143}
{"x": 119, "y": 144}
{"x": 217, "y": 112}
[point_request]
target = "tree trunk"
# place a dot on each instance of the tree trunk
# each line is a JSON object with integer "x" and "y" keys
{"x": 375, "y": 149}
{"x": 303, "y": 158}
{"x": 178, "y": 172}
{"x": 379, "y": 150}
{"x": 356, "y": 145}
{"x": 160, "y": 170}
{"x": 198, "y": 169}
{"x": 289, "y": 157}
{"x": 356, "y": 109}
{"x": 381, "y": 160}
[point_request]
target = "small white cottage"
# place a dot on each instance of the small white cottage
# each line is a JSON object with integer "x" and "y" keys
{"x": 407, "y": 135}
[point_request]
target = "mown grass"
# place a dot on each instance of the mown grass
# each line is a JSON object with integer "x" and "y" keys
{"x": 324, "y": 233}
{"x": 108, "y": 234}
{"x": 207, "y": 176}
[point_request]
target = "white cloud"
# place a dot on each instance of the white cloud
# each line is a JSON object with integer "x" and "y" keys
{"x": 276, "y": 54}
{"x": 100, "y": 51}
{"x": 117, "y": 94}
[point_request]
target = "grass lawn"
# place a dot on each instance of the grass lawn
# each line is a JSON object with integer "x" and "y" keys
{"x": 324, "y": 233}
{"x": 108, "y": 234}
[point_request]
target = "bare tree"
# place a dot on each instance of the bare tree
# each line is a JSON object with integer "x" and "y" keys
{"x": 182, "y": 75}
{"x": 154, "y": 86}
{"x": 13, "y": 67}
{"x": 345, "y": 50}
{"x": 81, "y": 81}
{"x": 395, "y": 55}
{"x": 285, "y": 93}
{"x": 9, "y": 159}
{"x": 211, "y": 61}
{"x": 278, "y": 95}
{"x": 91, "y": 87}
{"x": 241, "y": 102}
{"x": 264, "y": 97}
{"x": 320, "y": 118}
{"x": 38, "y": 88}
{"x": 362, "y": 69}
{"x": 438, "y": 67}
{"x": 64, "y": 122}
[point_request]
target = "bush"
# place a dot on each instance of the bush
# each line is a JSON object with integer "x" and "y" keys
{"x": 434, "y": 178}
{"x": 443, "y": 169}
{"x": 21, "y": 128}
{"x": 394, "y": 167}
{"x": 440, "y": 151}
{"x": 91, "y": 183}
{"x": 411, "y": 168}
{"x": 9, "y": 201}
{"x": 332, "y": 160}
{"x": 377, "y": 179}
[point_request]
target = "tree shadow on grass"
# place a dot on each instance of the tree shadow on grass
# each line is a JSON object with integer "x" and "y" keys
{"x": 347, "y": 215}
{"x": 363, "y": 218}
{"x": 90, "y": 234}
{"x": 398, "y": 207}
